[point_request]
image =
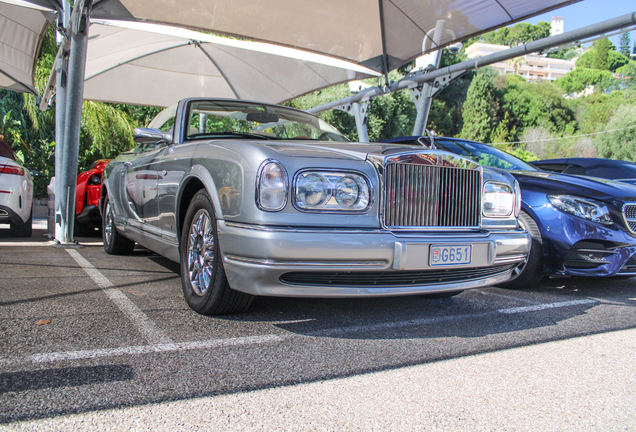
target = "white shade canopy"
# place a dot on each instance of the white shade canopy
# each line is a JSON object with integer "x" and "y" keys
{"x": 157, "y": 65}
{"x": 22, "y": 27}
{"x": 361, "y": 31}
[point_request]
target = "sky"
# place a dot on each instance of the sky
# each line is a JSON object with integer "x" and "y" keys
{"x": 589, "y": 12}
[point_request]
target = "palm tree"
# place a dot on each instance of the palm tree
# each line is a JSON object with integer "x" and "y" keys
{"x": 516, "y": 63}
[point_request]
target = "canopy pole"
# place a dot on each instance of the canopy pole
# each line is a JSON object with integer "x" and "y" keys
{"x": 424, "y": 100}
{"x": 61, "y": 72}
{"x": 65, "y": 187}
{"x": 385, "y": 57}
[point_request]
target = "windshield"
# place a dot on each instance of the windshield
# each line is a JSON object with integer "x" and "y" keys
{"x": 230, "y": 119}
{"x": 484, "y": 154}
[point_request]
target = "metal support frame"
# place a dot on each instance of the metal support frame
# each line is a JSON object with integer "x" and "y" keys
{"x": 423, "y": 95}
{"x": 443, "y": 75}
{"x": 360, "y": 111}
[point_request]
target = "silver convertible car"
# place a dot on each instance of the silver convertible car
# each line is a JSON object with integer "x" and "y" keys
{"x": 255, "y": 199}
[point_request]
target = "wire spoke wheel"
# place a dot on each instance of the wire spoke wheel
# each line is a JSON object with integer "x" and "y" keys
{"x": 205, "y": 285}
{"x": 108, "y": 224}
{"x": 201, "y": 244}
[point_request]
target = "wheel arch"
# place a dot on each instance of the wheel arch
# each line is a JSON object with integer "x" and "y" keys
{"x": 198, "y": 178}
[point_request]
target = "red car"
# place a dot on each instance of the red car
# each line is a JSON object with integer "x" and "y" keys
{"x": 89, "y": 185}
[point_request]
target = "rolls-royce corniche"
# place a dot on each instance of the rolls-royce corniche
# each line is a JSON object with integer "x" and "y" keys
{"x": 264, "y": 200}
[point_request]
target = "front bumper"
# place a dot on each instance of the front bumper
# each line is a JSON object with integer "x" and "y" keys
{"x": 349, "y": 263}
{"x": 577, "y": 247}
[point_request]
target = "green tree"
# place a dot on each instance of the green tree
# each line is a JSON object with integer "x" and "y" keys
{"x": 518, "y": 34}
{"x": 620, "y": 144}
{"x": 480, "y": 108}
{"x": 624, "y": 43}
{"x": 600, "y": 56}
{"x": 539, "y": 104}
{"x": 580, "y": 78}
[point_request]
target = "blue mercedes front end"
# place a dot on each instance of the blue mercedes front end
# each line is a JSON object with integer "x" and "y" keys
{"x": 586, "y": 224}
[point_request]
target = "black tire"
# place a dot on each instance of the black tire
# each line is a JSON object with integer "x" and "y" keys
{"x": 205, "y": 287}
{"x": 531, "y": 272}
{"x": 23, "y": 230}
{"x": 114, "y": 242}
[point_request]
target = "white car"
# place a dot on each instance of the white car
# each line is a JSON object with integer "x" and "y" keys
{"x": 16, "y": 197}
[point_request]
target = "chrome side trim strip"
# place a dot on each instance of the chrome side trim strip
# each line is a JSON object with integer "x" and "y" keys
{"x": 510, "y": 259}
{"x": 266, "y": 262}
{"x": 304, "y": 230}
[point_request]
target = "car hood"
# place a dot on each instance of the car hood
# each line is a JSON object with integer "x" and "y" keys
{"x": 591, "y": 187}
{"x": 340, "y": 150}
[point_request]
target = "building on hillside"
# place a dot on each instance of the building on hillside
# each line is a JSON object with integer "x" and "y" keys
{"x": 556, "y": 26}
{"x": 531, "y": 66}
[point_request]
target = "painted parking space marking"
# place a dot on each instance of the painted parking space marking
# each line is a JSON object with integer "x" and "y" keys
{"x": 545, "y": 306}
{"x": 272, "y": 338}
{"x": 148, "y": 349}
{"x": 434, "y": 320}
{"x": 139, "y": 319}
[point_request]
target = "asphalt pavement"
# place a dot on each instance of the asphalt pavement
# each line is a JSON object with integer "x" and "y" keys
{"x": 96, "y": 342}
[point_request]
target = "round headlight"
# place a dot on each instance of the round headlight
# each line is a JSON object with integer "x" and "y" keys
{"x": 347, "y": 192}
{"x": 95, "y": 179}
{"x": 313, "y": 190}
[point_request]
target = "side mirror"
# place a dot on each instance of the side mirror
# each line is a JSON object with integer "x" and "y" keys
{"x": 151, "y": 136}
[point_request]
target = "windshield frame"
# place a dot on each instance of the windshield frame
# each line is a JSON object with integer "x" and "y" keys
{"x": 228, "y": 118}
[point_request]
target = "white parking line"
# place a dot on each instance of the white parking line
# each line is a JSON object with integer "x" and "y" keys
{"x": 271, "y": 338}
{"x": 145, "y": 326}
{"x": 184, "y": 346}
{"x": 159, "y": 342}
{"x": 434, "y": 320}
{"x": 540, "y": 307}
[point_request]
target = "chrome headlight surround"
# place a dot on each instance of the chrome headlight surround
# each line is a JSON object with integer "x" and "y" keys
{"x": 272, "y": 186}
{"x": 331, "y": 191}
{"x": 584, "y": 208}
{"x": 499, "y": 200}
{"x": 517, "y": 199}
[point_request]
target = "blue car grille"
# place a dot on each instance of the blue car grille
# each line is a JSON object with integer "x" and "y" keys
{"x": 422, "y": 196}
{"x": 585, "y": 254}
{"x": 629, "y": 212}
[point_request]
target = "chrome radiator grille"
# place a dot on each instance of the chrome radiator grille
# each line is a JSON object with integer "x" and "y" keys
{"x": 431, "y": 196}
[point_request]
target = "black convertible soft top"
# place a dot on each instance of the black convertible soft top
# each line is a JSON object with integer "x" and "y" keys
{"x": 5, "y": 149}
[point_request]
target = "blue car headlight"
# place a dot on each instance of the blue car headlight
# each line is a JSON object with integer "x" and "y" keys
{"x": 582, "y": 207}
{"x": 331, "y": 191}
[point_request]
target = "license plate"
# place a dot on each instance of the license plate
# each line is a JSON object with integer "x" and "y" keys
{"x": 450, "y": 255}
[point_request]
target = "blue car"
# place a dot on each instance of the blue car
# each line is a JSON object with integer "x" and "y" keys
{"x": 580, "y": 226}
{"x": 618, "y": 170}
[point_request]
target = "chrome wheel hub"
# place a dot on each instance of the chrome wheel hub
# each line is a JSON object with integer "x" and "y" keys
{"x": 108, "y": 224}
{"x": 201, "y": 252}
